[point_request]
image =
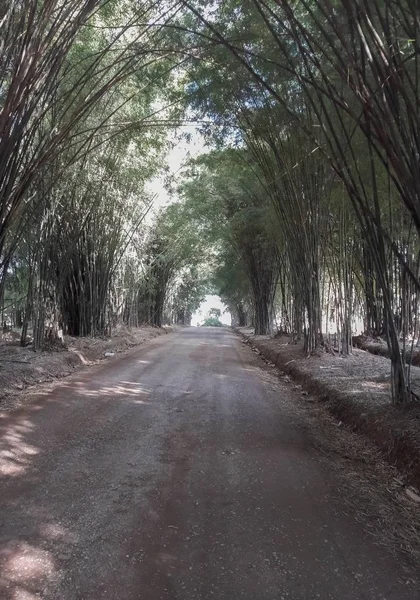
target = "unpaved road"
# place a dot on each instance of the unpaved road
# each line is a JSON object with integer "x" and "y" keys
{"x": 173, "y": 473}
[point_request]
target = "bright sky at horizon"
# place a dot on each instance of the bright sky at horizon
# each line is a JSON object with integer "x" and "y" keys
{"x": 211, "y": 302}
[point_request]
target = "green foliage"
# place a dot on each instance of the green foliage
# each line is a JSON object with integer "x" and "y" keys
{"x": 308, "y": 191}
{"x": 225, "y": 194}
{"x": 189, "y": 291}
{"x": 212, "y": 322}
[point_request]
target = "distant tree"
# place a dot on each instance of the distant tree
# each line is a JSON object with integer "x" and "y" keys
{"x": 212, "y": 322}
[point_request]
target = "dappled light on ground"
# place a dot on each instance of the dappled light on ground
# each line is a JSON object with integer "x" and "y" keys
{"x": 15, "y": 452}
{"x": 26, "y": 570}
{"x": 28, "y": 566}
{"x": 116, "y": 390}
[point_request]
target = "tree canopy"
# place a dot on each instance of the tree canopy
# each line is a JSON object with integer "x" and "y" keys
{"x": 302, "y": 213}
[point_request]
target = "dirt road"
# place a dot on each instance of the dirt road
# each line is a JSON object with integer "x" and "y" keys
{"x": 173, "y": 473}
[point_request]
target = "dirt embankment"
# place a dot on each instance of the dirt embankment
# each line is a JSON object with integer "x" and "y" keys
{"x": 357, "y": 390}
{"x": 379, "y": 347}
{"x": 21, "y": 367}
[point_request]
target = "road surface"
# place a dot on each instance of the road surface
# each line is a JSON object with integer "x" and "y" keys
{"x": 172, "y": 473}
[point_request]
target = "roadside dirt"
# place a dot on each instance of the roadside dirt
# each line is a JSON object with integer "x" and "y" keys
{"x": 21, "y": 368}
{"x": 356, "y": 390}
{"x": 379, "y": 347}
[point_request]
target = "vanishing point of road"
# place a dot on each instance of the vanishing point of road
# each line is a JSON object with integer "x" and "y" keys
{"x": 172, "y": 473}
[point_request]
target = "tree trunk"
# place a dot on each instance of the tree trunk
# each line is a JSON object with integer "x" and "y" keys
{"x": 241, "y": 315}
{"x": 263, "y": 316}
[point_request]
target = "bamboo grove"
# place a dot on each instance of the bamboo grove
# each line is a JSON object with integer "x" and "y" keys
{"x": 84, "y": 87}
{"x": 304, "y": 212}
